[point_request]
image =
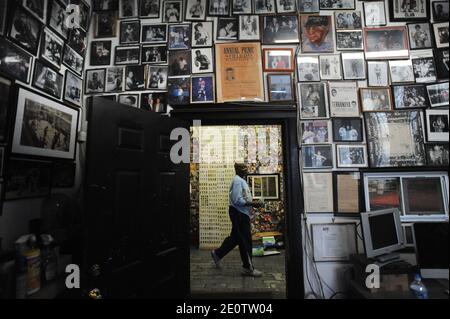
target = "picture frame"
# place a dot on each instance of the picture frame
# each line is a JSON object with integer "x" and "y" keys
{"x": 179, "y": 91}
{"x": 401, "y": 11}
{"x": 318, "y": 192}
{"x": 308, "y": 6}
{"x": 33, "y": 114}
{"x": 179, "y": 37}
{"x": 38, "y": 8}
{"x": 437, "y": 125}
{"x": 249, "y": 28}
{"x": 386, "y": 43}
{"x": 317, "y": 157}
{"x": 316, "y": 132}
{"x": 47, "y": 80}
{"x": 374, "y": 13}
{"x": 286, "y": 6}
{"x": 202, "y": 34}
{"x": 313, "y": 100}
{"x": 129, "y": 9}
{"x": 264, "y": 6}
{"x": 149, "y": 9}
{"x": 343, "y": 99}
{"x": 114, "y": 79}
{"x": 157, "y": 77}
{"x": 347, "y": 194}
{"x": 311, "y": 24}
{"x": 401, "y": 71}
{"x": 420, "y": 36}
{"x": 403, "y": 146}
{"x": 227, "y": 29}
{"x": 202, "y": 89}
{"x": 354, "y": 65}
{"x": 278, "y": 60}
{"x": 129, "y": 99}
{"x": 337, "y": 5}
{"x": 130, "y": 32}
{"x": 6, "y": 91}
{"x": 100, "y": 53}
{"x": 105, "y": 24}
{"x": 180, "y": 63}
{"x": 56, "y": 17}
{"x": 330, "y": 67}
{"x": 154, "y": 33}
{"x": 348, "y": 20}
{"x": 378, "y": 73}
{"x": 127, "y": 55}
{"x": 376, "y": 99}
{"x": 154, "y": 102}
{"x": 349, "y": 40}
{"x": 73, "y": 60}
{"x": 348, "y": 130}
{"x": 423, "y": 66}
{"x": 77, "y": 40}
{"x": 85, "y": 14}
{"x": 441, "y": 34}
{"x": 30, "y": 33}
{"x": 104, "y": 5}
{"x": 287, "y": 34}
{"x": 438, "y": 94}
{"x": 280, "y": 87}
{"x": 154, "y": 54}
{"x": 308, "y": 68}
{"x": 351, "y": 156}
{"x": 172, "y": 11}
{"x": 264, "y": 186}
{"x": 241, "y": 7}
{"x": 4, "y": 8}
{"x": 95, "y": 81}
{"x": 73, "y": 87}
{"x": 202, "y": 60}
{"x": 15, "y": 62}
{"x": 440, "y": 11}
{"x": 410, "y": 96}
{"x": 134, "y": 77}
{"x": 437, "y": 154}
{"x": 442, "y": 60}
{"x": 382, "y": 191}
{"x": 219, "y": 8}
{"x": 63, "y": 174}
{"x": 195, "y": 10}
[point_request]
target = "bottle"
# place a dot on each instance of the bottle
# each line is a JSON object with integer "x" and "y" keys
{"x": 48, "y": 259}
{"x": 33, "y": 257}
{"x": 418, "y": 288}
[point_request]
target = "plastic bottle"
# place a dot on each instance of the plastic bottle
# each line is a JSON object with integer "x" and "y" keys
{"x": 33, "y": 256}
{"x": 418, "y": 288}
{"x": 48, "y": 259}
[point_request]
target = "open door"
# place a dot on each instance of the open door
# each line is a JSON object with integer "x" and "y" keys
{"x": 136, "y": 219}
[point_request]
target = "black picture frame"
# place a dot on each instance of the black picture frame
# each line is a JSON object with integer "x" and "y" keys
{"x": 292, "y": 36}
{"x": 37, "y": 8}
{"x": 99, "y": 85}
{"x": 161, "y": 28}
{"x": 53, "y": 87}
{"x": 323, "y": 7}
{"x": 63, "y": 174}
{"x": 151, "y": 12}
{"x": 178, "y": 13}
{"x": 26, "y": 39}
{"x": 349, "y": 136}
{"x": 417, "y": 96}
{"x": 77, "y": 40}
{"x": 19, "y": 71}
{"x": 124, "y": 36}
{"x": 54, "y": 54}
{"x": 105, "y": 24}
{"x": 222, "y": 23}
{"x": 413, "y": 43}
{"x": 154, "y": 54}
{"x": 85, "y": 14}
{"x": 127, "y": 59}
{"x": 323, "y": 161}
{"x": 113, "y": 5}
{"x": 56, "y": 17}
{"x": 67, "y": 95}
{"x": 181, "y": 41}
{"x": 437, "y": 154}
{"x": 438, "y": 16}
{"x": 442, "y": 61}
{"x": 346, "y": 213}
{"x": 278, "y": 95}
{"x": 100, "y": 53}
{"x": 396, "y": 4}
{"x": 192, "y": 13}
{"x": 73, "y": 60}
{"x": 137, "y": 81}
{"x": 217, "y": 11}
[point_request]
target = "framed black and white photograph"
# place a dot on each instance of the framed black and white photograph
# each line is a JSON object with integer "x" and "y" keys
{"x": 134, "y": 77}
{"x": 154, "y": 102}
{"x": 386, "y": 43}
{"x": 348, "y": 20}
{"x": 278, "y": 59}
{"x": 281, "y": 29}
{"x": 286, "y": 6}
{"x": 77, "y": 40}
{"x": 85, "y": 14}
{"x": 423, "y": 66}
{"x": 348, "y": 130}
{"x": 227, "y": 29}
{"x": 105, "y": 24}
{"x": 172, "y": 11}
{"x": 152, "y": 54}
{"x": 437, "y": 125}
{"x": 420, "y": 36}
{"x": 202, "y": 87}
{"x": 409, "y": 10}
{"x": 337, "y": 5}
{"x": 73, "y": 60}
{"x": 47, "y": 80}
{"x": 317, "y": 33}
{"x": 100, "y": 53}
{"x": 57, "y": 16}
{"x": 308, "y": 68}
{"x": 349, "y": 40}
{"x": 154, "y": 33}
{"x": 157, "y": 77}
{"x": 307, "y": 6}
{"x": 129, "y": 99}
{"x": 374, "y": 13}
{"x": 6, "y": 89}
{"x": 313, "y": 100}
{"x": 330, "y": 67}
{"x": 265, "y": 6}
{"x": 115, "y": 79}
{"x": 354, "y": 66}
{"x": 317, "y": 157}
{"x": 437, "y": 154}
{"x": 241, "y": 6}
{"x": 249, "y": 28}
{"x": 438, "y": 94}
{"x": 106, "y": 5}
{"x": 37, "y": 8}
{"x": 129, "y": 8}
{"x": 441, "y": 34}
{"x": 51, "y": 49}
{"x": 179, "y": 36}
{"x": 202, "y": 34}
{"x": 375, "y": 99}
{"x": 73, "y": 86}
{"x": 395, "y": 139}
{"x": 180, "y": 63}
{"x": 440, "y": 11}
{"x": 280, "y": 87}
{"x": 95, "y": 81}
{"x": 4, "y": 8}
{"x": 442, "y": 60}
{"x": 149, "y": 8}
{"x": 63, "y": 174}
{"x": 378, "y": 73}
{"x": 195, "y": 10}
{"x": 410, "y": 96}
{"x": 179, "y": 91}
{"x": 25, "y": 30}
{"x": 401, "y": 71}
{"x": 202, "y": 60}
{"x": 44, "y": 127}
{"x": 128, "y": 55}
{"x": 316, "y": 132}
{"x": 219, "y": 7}
{"x": 343, "y": 99}
{"x": 130, "y": 32}
{"x": 14, "y": 62}
{"x": 351, "y": 156}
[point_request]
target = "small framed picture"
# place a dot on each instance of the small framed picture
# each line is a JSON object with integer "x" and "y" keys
{"x": 423, "y": 66}
{"x": 401, "y": 71}
{"x": 440, "y": 11}
{"x": 219, "y": 8}
{"x": 351, "y": 156}
{"x": 330, "y": 67}
{"x": 348, "y": 129}
{"x": 179, "y": 36}
{"x": 227, "y": 29}
{"x": 441, "y": 34}
{"x": 15, "y": 62}
{"x": 100, "y": 53}
{"x": 278, "y": 59}
{"x": 47, "y": 80}
{"x": 347, "y": 194}
{"x": 63, "y": 175}
{"x": 152, "y": 54}
{"x": 442, "y": 60}
{"x": 241, "y": 6}
{"x": 149, "y": 9}
{"x": 157, "y": 77}
{"x": 375, "y": 99}
{"x": 57, "y": 16}
{"x": 410, "y": 96}
{"x": 409, "y": 10}
{"x": 134, "y": 77}
{"x": 73, "y": 60}
{"x": 202, "y": 89}
{"x": 308, "y": 6}
{"x": 349, "y": 40}
{"x": 105, "y": 24}
{"x": 343, "y": 99}
{"x": 316, "y": 132}
{"x": 202, "y": 60}
{"x": 337, "y": 5}
{"x": 437, "y": 125}
{"x": 317, "y": 157}
{"x": 249, "y": 28}
{"x": 386, "y": 43}
{"x": 73, "y": 87}
{"x": 317, "y": 33}
{"x": 37, "y": 8}
{"x": 130, "y": 32}
{"x": 85, "y": 14}
{"x": 129, "y": 99}
{"x": 286, "y": 6}
{"x": 202, "y": 34}
{"x": 172, "y": 11}
{"x": 374, "y": 13}
{"x": 438, "y": 94}
{"x": 195, "y": 10}
{"x": 130, "y": 8}
{"x": 313, "y": 100}
{"x": 25, "y": 30}
{"x": 127, "y": 55}
{"x": 153, "y": 33}
{"x": 348, "y": 20}
{"x": 280, "y": 29}
{"x": 180, "y": 63}
{"x": 378, "y": 73}
{"x": 179, "y": 91}
{"x": 420, "y": 36}
{"x": 51, "y": 49}
{"x": 437, "y": 154}
{"x": 77, "y": 40}
{"x": 115, "y": 79}
{"x": 95, "y": 81}
{"x": 264, "y": 6}
{"x": 354, "y": 66}
{"x": 308, "y": 68}
{"x": 105, "y": 5}
{"x": 154, "y": 101}
{"x": 280, "y": 87}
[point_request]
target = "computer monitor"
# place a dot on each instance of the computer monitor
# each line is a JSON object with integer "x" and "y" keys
{"x": 383, "y": 234}
{"x": 432, "y": 249}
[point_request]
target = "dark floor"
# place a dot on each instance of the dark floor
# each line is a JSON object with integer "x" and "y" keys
{"x": 209, "y": 282}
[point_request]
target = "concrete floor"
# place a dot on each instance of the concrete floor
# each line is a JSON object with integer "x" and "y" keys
{"x": 209, "y": 282}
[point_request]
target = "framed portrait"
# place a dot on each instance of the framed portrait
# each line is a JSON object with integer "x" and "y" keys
{"x": 348, "y": 20}
{"x": 286, "y": 6}
{"x": 77, "y": 40}
{"x": 409, "y": 10}
{"x": 410, "y": 96}
{"x": 437, "y": 154}
{"x": 51, "y": 49}
{"x": 152, "y": 54}
{"x": 280, "y": 87}
{"x": 376, "y": 99}
{"x": 134, "y": 77}
{"x": 130, "y": 8}
{"x": 172, "y": 11}
{"x": 180, "y": 63}
{"x": 5, "y": 103}
{"x": 349, "y": 40}
{"x": 348, "y": 130}
{"x": 105, "y": 24}
{"x": 249, "y": 28}
{"x": 337, "y": 5}
{"x": 57, "y": 16}
{"x": 420, "y": 35}
{"x": 63, "y": 175}
{"x": 264, "y": 186}
{"x": 308, "y": 6}
{"x": 438, "y": 94}
{"x": 47, "y": 80}
{"x": 374, "y": 13}
{"x": 378, "y": 73}
{"x": 351, "y": 156}
{"x": 316, "y": 132}
{"x": 157, "y": 77}
{"x": 85, "y": 14}
{"x": 44, "y": 127}
{"x": 37, "y": 8}
{"x": 202, "y": 87}
{"x": 73, "y": 87}
{"x": 14, "y": 62}
{"x": 442, "y": 57}
{"x": 354, "y": 65}
{"x": 440, "y": 11}
{"x": 179, "y": 36}
{"x": 73, "y": 60}
{"x": 154, "y": 102}
{"x": 395, "y": 139}
{"x": 386, "y": 43}
{"x": 25, "y": 29}
{"x": 202, "y": 34}
{"x": 330, "y": 67}
{"x": 280, "y": 29}
{"x": 127, "y": 55}
{"x": 154, "y": 33}
{"x": 106, "y": 5}
{"x": 308, "y": 68}
{"x": 318, "y": 192}
{"x": 278, "y": 59}
{"x": 129, "y": 99}
{"x": 317, "y": 33}
{"x": 343, "y": 99}
{"x": 317, "y": 157}
{"x": 219, "y": 8}
{"x": 241, "y": 6}
{"x": 202, "y": 60}
{"x": 347, "y": 197}
{"x": 401, "y": 71}
{"x": 130, "y": 31}
{"x": 313, "y": 100}
{"x": 437, "y": 125}
{"x": 149, "y": 9}
{"x": 100, "y": 53}
{"x": 95, "y": 81}
{"x": 114, "y": 79}
{"x": 195, "y": 10}
{"x": 441, "y": 34}
{"x": 227, "y": 29}
{"x": 179, "y": 91}
{"x": 424, "y": 66}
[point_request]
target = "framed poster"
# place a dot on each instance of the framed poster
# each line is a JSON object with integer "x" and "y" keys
{"x": 409, "y": 10}
{"x": 395, "y": 139}
{"x": 343, "y": 99}
{"x": 437, "y": 125}
{"x": 386, "y": 43}
{"x": 44, "y": 127}
{"x": 318, "y": 192}
{"x": 347, "y": 197}
{"x": 334, "y": 242}
{"x": 239, "y": 72}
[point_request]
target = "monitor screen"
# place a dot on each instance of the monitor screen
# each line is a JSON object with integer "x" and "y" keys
{"x": 383, "y": 231}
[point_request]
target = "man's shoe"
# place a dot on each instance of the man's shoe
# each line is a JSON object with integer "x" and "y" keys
{"x": 216, "y": 259}
{"x": 251, "y": 272}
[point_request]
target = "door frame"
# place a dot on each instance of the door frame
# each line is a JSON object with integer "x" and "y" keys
{"x": 236, "y": 114}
